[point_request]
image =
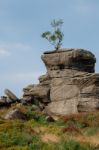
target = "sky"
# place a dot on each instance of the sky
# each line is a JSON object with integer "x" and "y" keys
{"x": 21, "y": 46}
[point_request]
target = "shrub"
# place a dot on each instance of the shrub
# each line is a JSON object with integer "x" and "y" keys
{"x": 56, "y": 36}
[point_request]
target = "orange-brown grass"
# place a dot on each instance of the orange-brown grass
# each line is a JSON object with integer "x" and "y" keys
{"x": 71, "y": 129}
{"x": 75, "y": 126}
{"x": 91, "y": 140}
{"x": 50, "y": 138}
{"x": 15, "y": 125}
{"x": 88, "y": 119}
{"x": 78, "y": 125}
{"x": 4, "y": 110}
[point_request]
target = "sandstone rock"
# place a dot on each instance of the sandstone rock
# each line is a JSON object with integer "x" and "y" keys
{"x": 77, "y": 59}
{"x": 10, "y": 95}
{"x": 27, "y": 88}
{"x": 27, "y": 99}
{"x": 89, "y": 93}
{"x": 63, "y": 107}
{"x": 15, "y": 114}
{"x": 38, "y": 92}
{"x": 60, "y": 91}
{"x": 88, "y": 104}
{"x": 3, "y": 101}
{"x": 70, "y": 84}
{"x": 44, "y": 79}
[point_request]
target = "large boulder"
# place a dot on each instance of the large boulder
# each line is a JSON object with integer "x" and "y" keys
{"x": 75, "y": 59}
{"x": 63, "y": 107}
{"x": 63, "y": 89}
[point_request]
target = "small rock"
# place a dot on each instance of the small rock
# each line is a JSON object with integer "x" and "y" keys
{"x": 49, "y": 119}
{"x": 15, "y": 114}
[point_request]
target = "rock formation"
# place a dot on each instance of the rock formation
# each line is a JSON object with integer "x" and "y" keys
{"x": 8, "y": 99}
{"x": 69, "y": 86}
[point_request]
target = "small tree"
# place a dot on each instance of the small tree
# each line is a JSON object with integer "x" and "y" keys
{"x": 56, "y": 36}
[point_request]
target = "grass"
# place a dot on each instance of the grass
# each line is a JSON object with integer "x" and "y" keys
{"x": 74, "y": 132}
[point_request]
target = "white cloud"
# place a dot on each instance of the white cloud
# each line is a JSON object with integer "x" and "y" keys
{"x": 4, "y": 52}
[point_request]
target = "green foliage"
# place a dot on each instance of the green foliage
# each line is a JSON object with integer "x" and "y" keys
{"x": 22, "y": 139}
{"x": 73, "y": 145}
{"x": 56, "y": 36}
{"x": 28, "y": 135}
{"x": 63, "y": 145}
{"x": 59, "y": 122}
{"x": 83, "y": 120}
{"x": 41, "y": 118}
{"x": 30, "y": 113}
{"x": 91, "y": 131}
{"x": 37, "y": 116}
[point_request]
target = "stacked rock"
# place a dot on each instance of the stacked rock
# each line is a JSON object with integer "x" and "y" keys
{"x": 70, "y": 84}
{"x": 38, "y": 94}
{"x": 8, "y": 99}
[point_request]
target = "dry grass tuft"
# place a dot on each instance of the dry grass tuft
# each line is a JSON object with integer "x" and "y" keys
{"x": 50, "y": 138}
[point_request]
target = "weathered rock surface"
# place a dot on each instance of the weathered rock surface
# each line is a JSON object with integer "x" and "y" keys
{"x": 10, "y": 95}
{"x": 8, "y": 99}
{"x": 70, "y": 84}
{"x": 36, "y": 93}
{"x": 75, "y": 59}
{"x": 3, "y": 101}
{"x": 15, "y": 114}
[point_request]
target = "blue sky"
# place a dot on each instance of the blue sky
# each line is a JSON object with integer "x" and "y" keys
{"x": 21, "y": 24}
